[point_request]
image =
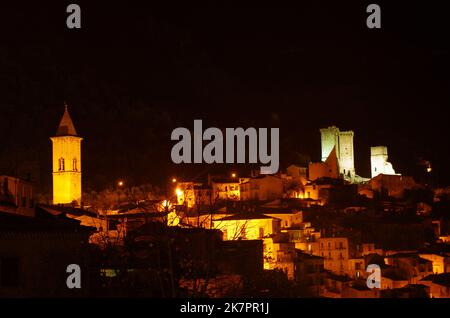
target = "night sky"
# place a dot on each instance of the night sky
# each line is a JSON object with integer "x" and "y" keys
{"x": 137, "y": 70}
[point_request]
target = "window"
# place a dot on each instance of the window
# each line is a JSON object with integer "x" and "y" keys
{"x": 9, "y": 271}
{"x": 75, "y": 164}
{"x": 112, "y": 225}
{"x": 261, "y": 232}
{"x": 61, "y": 164}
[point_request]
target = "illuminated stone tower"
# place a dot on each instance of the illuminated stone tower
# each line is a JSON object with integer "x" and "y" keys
{"x": 330, "y": 139}
{"x": 342, "y": 142}
{"x": 378, "y": 161}
{"x": 66, "y": 163}
{"x": 346, "y": 156}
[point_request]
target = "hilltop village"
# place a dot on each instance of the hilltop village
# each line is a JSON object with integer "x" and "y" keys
{"x": 306, "y": 231}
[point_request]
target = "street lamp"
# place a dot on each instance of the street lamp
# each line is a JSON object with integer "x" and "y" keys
{"x": 120, "y": 185}
{"x": 233, "y": 175}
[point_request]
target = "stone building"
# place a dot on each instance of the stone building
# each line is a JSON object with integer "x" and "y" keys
{"x": 342, "y": 142}
{"x": 35, "y": 252}
{"x": 379, "y": 163}
{"x": 264, "y": 187}
{"x": 16, "y": 196}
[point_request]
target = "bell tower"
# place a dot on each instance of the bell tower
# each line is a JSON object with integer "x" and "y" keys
{"x": 66, "y": 167}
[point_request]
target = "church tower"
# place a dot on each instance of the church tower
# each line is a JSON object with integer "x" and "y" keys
{"x": 66, "y": 165}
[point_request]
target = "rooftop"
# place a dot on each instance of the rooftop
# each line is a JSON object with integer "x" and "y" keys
{"x": 440, "y": 279}
{"x": 66, "y": 127}
{"x": 246, "y": 216}
{"x": 45, "y": 223}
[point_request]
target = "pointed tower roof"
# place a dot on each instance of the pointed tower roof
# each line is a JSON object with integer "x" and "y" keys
{"x": 333, "y": 163}
{"x": 66, "y": 127}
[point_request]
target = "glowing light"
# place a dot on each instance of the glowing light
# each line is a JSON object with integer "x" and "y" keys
{"x": 178, "y": 192}
{"x": 173, "y": 219}
{"x": 298, "y": 195}
{"x": 429, "y": 169}
{"x": 233, "y": 175}
{"x": 120, "y": 183}
{"x": 174, "y": 180}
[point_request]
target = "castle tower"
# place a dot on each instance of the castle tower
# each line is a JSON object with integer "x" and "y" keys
{"x": 330, "y": 139}
{"x": 378, "y": 161}
{"x": 66, "y": 165}
{"x": 342, "y": 143}
{"x": 346, "y": 155}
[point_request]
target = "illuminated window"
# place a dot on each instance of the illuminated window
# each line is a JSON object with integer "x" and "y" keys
{"x": 225, "y": 234}
{"x": 61, "y": 164}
